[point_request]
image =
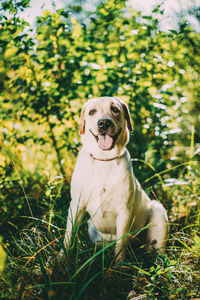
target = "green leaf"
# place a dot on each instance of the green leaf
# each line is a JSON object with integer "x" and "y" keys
{"x": 10, "y": 52}
{"x": 2, "y": 257}
{"x": 197, "y": 242}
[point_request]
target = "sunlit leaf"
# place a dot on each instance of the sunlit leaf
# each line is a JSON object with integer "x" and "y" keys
{"x": 2, "y": 257}
{"x": 10, "y": 52}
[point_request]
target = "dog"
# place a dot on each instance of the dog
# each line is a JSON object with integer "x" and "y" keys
{"x": 103, "y": 183}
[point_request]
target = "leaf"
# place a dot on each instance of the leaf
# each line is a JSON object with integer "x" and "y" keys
{"x": 197, "y": 242}
{"x": 10, "y": 52}
{"x": 77, "y": 29}
{"x": 46, "y": 13}
{"x": 2, "y": 257}
{"x": 2, "y": 162}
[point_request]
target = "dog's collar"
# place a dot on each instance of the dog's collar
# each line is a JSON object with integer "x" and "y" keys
{"x": 109, "y": 159}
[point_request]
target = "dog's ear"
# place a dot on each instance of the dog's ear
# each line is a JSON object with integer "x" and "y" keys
{"x": 127, "y": 117}
{"x": 82, "y": 123}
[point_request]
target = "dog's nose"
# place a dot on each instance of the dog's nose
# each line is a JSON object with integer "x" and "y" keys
{"x": 104, "y": 124}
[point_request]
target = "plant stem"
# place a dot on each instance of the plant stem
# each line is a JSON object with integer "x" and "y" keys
{"x": 55, "y": 145}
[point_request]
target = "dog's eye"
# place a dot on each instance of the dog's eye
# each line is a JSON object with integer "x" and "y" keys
{"x": 92, "y": 112}
{"x": 115, "y": 109}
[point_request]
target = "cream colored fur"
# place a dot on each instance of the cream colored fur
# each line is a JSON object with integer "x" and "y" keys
{"x": 103, "y": 183}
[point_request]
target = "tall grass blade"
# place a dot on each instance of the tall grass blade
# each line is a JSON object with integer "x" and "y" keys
{"x": 86, "y": 284}
{"x": 46, "y": 279}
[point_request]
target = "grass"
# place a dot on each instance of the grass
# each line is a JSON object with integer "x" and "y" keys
{"x": 34, "y": 271}
{"x": 33, "y": 242}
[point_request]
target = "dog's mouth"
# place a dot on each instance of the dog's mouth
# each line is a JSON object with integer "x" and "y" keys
{"x": 106, "y": 141}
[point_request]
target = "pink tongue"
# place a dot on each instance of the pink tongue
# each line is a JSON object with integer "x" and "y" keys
{"x": 105, "y": 141}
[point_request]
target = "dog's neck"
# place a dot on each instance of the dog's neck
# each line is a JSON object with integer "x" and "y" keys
{"x": 109, "y": 159}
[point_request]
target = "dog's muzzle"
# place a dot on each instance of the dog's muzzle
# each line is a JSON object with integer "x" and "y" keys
{"x": 106, "y": 141}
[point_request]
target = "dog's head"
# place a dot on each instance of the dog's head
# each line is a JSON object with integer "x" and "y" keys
{"x": 105, "y": 126}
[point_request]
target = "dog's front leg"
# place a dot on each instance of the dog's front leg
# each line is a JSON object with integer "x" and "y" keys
{"x": 122, "y": 229}
{"x": 75, "y": 213}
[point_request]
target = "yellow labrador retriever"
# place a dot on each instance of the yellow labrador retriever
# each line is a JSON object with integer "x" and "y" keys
{"x": 103, "y": 183}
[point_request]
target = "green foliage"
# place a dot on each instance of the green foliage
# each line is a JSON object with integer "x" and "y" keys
{"x": 2, "y": 257}
{"x": 45, "y": 79}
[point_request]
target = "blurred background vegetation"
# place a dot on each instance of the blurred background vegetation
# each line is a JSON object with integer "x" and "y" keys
{"x": 48, "y": 72}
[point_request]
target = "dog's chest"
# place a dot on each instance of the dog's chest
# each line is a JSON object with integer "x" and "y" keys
{"x": 100, "y": 184}
{"x": 103, "y": 194}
